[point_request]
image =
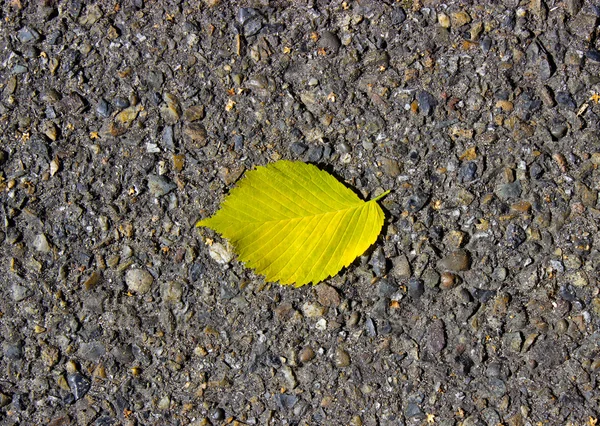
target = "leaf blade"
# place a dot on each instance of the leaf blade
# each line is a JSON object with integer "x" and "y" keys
{"x": 295, "y": 223}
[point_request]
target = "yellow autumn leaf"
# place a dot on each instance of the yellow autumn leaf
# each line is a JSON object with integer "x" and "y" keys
{"x": 295, "y": 223}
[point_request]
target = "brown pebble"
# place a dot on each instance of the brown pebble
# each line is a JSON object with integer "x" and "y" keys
{"x": 327, "y": 295}
{"x": 194, "y": 113}
{"x": 458, "y": 260}
{"x": 561, "y": 161}
{"x": 447, "y": 280}
{"x": 306, "y": 354}
{"x": 341, "y": 359}
{"x": 196, "y": 133}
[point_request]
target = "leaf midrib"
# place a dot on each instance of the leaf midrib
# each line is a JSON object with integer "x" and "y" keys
{"x": 358, "y": 206}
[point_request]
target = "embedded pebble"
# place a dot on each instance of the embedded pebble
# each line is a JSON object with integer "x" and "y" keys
{"x": 341, "y": 358}
{"x": 160, "y": 185}
{"x": 40, "y": 243}
{"x": 139, "y": 280}
{"x": 79, "y": 384}
{"x": 458, "y": 260}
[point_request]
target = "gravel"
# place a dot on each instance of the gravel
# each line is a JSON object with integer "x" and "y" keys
{"x": 124, "y": 125}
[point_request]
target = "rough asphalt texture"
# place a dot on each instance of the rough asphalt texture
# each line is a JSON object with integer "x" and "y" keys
{"x": 123, "y": 123}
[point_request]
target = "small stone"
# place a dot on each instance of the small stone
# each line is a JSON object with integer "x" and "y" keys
{"x": 159, "y": 185}
{"x": 468, "y": 172}
{"x": 378, "y": 262}
{"x": 91, "y": 351}
{"x": 415, "y": 287}
{"x": 196, "y": 133}
{"x": 20, "y": 292}
{"x": 139, "y": 280}
{"x": 515, "y": 236}
{"x": 306, "y": 354}
{"x": 458, "y": 260}
{"x": 460, "y": 18}
{"x": 397, "y": 16}
{"x": 298, "y": 148}
{"x": 578, "y": 279}
{"x": 513, "y": 341}
{"x": 327, "y": 295}
{"x": 444, "y": 20}
{"x": 50, "y": 130}
{"x": 220, "y": 253}
{"x": 386, "y": 288}
{"x": 593, "y": 55}
{"x": 79, "y": 385}
{"x": 313, "y": 310}
{"x": 390, "y": 167}
{"x": 401, "y": 268}
{"x": 121, "y": 102}
{"x": 509, "y": 190}
{"x": 565, "y": 99}
{"x": 40, "y": 243}
{"x": 430, "y": 278}
{"x": 341, "y": 358}
{"x": 92, "y": 281}
{"x": 285, "y": 401}
{"x": 164, "y": 403}
{"x": 194, "y": 113}
{"x": 435, "y": 338}
{"x": 330, "y": 42}
{"x": 126, "y": 116}
{"x": 170, "y": 112}
{"x": 172, "y": 291}
{"x": 426, "y": 102}
{"x": 26, "y": 35}
{"x": 217, "y": 414}
{"x": 103, "y": 108}
{"x": 558, "y": 128}
{"x": 447, "y": 280}
{"x": 416, "y": 202}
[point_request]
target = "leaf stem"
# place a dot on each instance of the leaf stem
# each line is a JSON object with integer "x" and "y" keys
{"x": 380, "y": 196}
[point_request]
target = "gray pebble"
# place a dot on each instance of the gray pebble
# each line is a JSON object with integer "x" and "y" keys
{"x": 315, "y": 154}
{"x": 217, "y": 414}
{"x": 593, "y": 55}
{"x": 565, "y": 99}
{"x": 385, "y": 288}
{"x": 378, "y": 262}
{"x": 159, "y": 185}
{"x": 398, "y": 16}
{"x": 20, "y": 292}
{"x": 416, "y": 202}
{"x": 416, "y": 288}
{"x": 13, "y": 351}
{"x": 401, "y": 267}
{"x": 426, "y": 102}
{"x": 167, "y": 138}
{"x": 139, "y": 280}
{"x": 26, "y": 35}
{"x": 509, "y": 190}
{"x": 285, "y": 401}
{"x": 298, "y": 148}
{"x": 79, "y": 385}
{"x": 91, "y": 351}
{"x": 370, "y": 327}
{"x": 468, "y": 172}
{"x": 40, "y": 243}
{"x": 103, "y": 108}
{"x": 330, "y": 42}
{"x": 435, "y": 337}
{"x": 515, "y": 236}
